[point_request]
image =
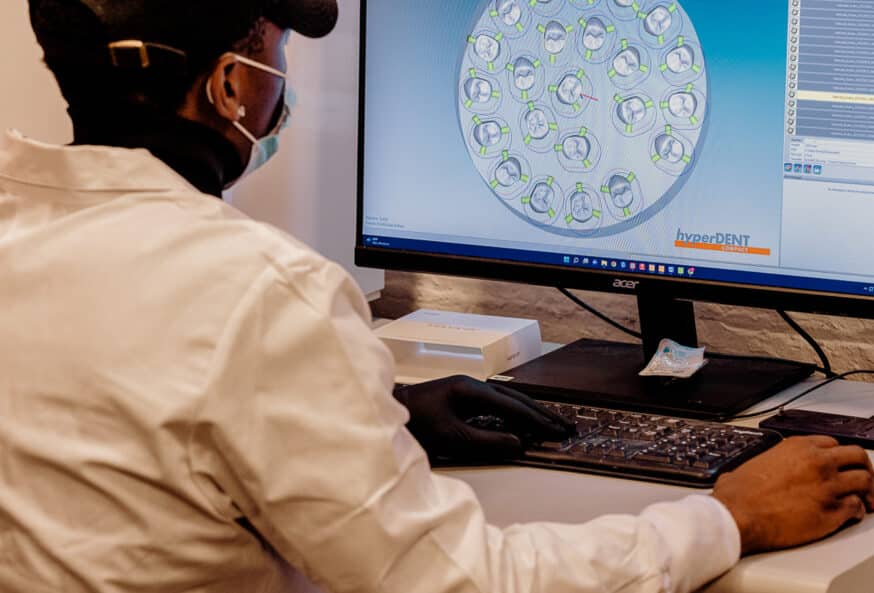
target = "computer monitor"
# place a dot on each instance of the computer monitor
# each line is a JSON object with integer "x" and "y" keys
{"x": 677, "y": 150}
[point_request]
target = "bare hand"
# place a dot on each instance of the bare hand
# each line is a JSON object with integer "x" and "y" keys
{"x": 802, "y": 490}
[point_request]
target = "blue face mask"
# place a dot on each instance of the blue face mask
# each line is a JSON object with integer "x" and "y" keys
{"x": 263, "y": 149}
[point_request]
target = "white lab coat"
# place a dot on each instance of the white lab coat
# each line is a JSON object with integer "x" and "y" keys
{"x": 168, "y": 366}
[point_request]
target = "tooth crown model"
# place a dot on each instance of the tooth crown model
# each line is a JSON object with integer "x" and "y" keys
{"x": 583, "y": 116}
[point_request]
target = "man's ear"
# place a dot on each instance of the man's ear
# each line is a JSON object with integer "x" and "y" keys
{"x": 224, "y": 87}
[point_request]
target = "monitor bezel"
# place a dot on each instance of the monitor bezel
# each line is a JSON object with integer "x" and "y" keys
{"x": 611, "y": 281}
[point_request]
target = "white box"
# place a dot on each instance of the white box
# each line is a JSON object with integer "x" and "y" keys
{"x": 432, "y": 344}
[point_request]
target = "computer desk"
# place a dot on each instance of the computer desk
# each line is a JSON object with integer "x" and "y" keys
{"x": 843, "y": 563}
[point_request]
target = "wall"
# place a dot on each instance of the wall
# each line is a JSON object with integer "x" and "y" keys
{"x": 848, "y": 342}
{"x": 30, "y": 101}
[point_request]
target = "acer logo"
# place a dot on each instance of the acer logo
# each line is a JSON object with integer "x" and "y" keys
{"x": 625, "y": 284}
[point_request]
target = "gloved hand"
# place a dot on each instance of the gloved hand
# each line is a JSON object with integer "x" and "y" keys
{"x": 444, "y": 418}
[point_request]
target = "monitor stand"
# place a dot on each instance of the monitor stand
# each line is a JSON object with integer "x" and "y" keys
{"x": 605, "y": 374}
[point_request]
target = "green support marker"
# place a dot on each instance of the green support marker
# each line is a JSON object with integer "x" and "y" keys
{"x": 617, "y": 98}
{"x": 629, "y": 128}
{"x": 587, "y": 164}
{"x": 541, "y": 28}
{"x": 519, "y": 27}
{"x": 589, "y": 54}
{"x": 505, "y": 154}
{"x": 672, "y": 8}
{"x": 526, "y": 200}
{"x": 472, "y": 72}
{"x": 496, "y": 94}
{"x": 696, "y": 69}
{"x": 537, "y": 63}
{"x": 491, "y": 66}
{"x": 693, "y": 120}
{"x": 664, "y": 105}
{"x": 669, "y": 130}
{"x": 687, "y": 158}
{"x": 611, "y": 28}
{"x": 494, "y": 184}
{"x": 558, "y": 148}
{"x": 583, "y": 131}
{"x": 553, "y": 126}
{"x": 524, "y": 95}
{"x": 581, "y": 73}
{"x": 612, "y": 73}
{"x": 605, "y": 189}
{"x": 624, "y": 44}
{"x": 477, "y": 120}
{"x": 483, "y": 150}
{"x": 505, "y": 130}
{"x": 527, "y": 139}
{"x": 499, "y": 37}
{"x": 468, "y": 103}
{"x": 577, "y": 107}
{"x": 631, "y": 177}
{"x": 553, "y": 88}
{"x": 524, "y": 178}
{"x": 510, "y": 67}
{"x": 644, "y": 68}
{"x": 530, "y": 105}
{"x": 569, "y": 219}
{"x": 579, "y": 187}
{"x": 681, "y": 41}
{"x": 626, "y": 212}
{"x": 471, "y": 39}
{"x": 550, "y": 181}
{"x": 596, "y": 213}
{"x": 551, "y": 213}
{"x": 661, "y": 39}
{"x": 649, "y": 104}
{"x": 582, "y": 21}
{"x": 663, "y": 67}
{"x": 656, "y": 158}
{"x": 552, "y": 58}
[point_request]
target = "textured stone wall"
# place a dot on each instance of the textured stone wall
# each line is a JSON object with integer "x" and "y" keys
{"x": 848, "y": 342}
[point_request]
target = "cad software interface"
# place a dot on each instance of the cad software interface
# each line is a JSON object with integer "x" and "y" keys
{"x": 678, "y": 138}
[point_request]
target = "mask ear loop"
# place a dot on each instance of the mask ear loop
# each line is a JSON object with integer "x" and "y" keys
{"x": 260, "y": 66}
{"x": 240, "y": 113}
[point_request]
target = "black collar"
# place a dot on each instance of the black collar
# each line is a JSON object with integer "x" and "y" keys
{"x": 196, "y": 152}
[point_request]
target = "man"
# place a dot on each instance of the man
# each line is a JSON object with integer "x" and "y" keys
{"x": 193, "y": 402}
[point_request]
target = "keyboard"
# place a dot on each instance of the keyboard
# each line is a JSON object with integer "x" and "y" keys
{"x": 649, "y": 447}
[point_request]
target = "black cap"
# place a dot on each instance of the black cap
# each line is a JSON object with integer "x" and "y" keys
{"x": 152, "y": 33}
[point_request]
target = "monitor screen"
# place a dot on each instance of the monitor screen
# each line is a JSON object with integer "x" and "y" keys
{"x": 684, "y": 141}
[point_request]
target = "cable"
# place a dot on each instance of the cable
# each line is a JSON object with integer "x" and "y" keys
{"x": 825, "y": 369}
{"x": 782, "y": 406}
{"x": 598, "y": 314}
{"x": 826, "y": 365}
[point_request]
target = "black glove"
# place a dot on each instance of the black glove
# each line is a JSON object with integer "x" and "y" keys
{"x": 447, "y": 417}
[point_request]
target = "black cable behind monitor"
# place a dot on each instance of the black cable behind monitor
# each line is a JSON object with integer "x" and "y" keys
{"x": 582, "y": 304}
{"x": 825, "y": 369}
{"x": 826, "y": 365}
